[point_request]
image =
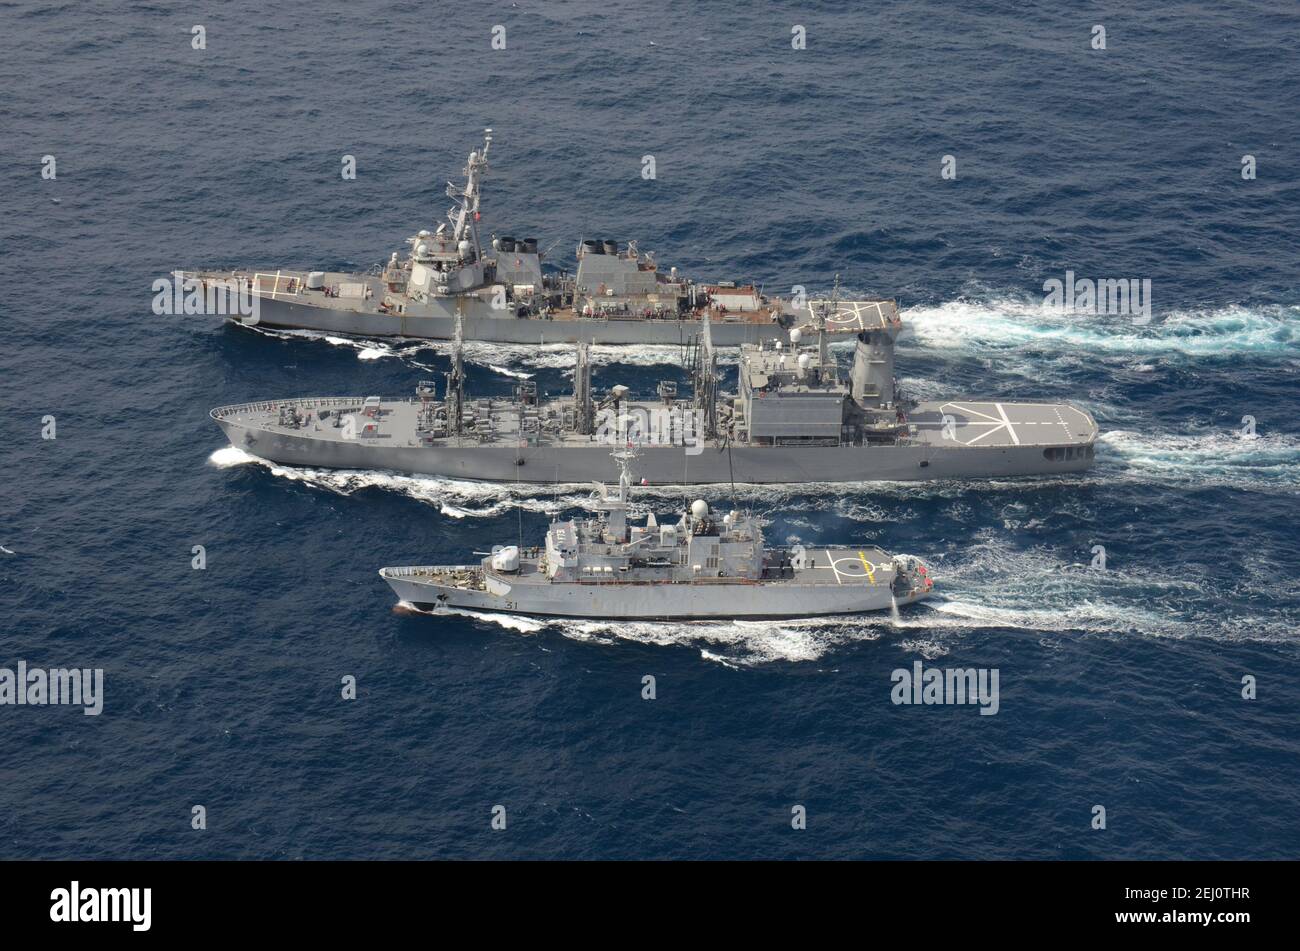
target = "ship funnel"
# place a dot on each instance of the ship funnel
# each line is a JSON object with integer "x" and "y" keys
{"x": 873, "y": 369}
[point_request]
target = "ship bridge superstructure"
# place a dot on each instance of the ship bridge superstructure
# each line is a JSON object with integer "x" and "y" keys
{"x": 697, "y": 547}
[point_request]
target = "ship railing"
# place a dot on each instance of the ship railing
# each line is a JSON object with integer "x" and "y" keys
{"x": 699, "y": 582}
{"x": 411, "y": 571}
{"x": 266, "y": 406}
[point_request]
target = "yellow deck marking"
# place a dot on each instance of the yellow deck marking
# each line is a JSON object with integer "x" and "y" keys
{"x": 871, "y": 575}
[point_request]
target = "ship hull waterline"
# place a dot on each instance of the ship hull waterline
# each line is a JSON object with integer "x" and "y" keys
{"x": 491, "y": 326}
{"x": 664, "y": 602}
{"x": 657, "y": 465}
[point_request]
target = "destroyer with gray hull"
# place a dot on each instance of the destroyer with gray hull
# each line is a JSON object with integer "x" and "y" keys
{"x": 700, "y": 567}
{"x": 501, "y": 293}
{"x": 794, "y": 418}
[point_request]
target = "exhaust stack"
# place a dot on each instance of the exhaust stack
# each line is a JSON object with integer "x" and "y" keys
{"x": 872, "y": 377}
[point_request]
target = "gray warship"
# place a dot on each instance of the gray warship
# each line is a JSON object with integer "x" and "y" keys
{"x": 617, "y": 294}
{"x": 700, "y": 567}
{"x": 794, "y": 418}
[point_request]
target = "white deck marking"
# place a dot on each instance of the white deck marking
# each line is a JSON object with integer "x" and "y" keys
{"x": 995, "y": 423}
{"x": 855, "y": 560}
{"x": 995, "y": 427}
{"x": 968, "y": 409}
{"x": 851, "y": 314}
{"x": 1006, "y": 419}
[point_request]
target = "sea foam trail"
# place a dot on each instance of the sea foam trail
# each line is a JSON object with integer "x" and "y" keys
{"x": 733, "y": 643}
{"x": 500, "y": 358}
{"x": 993, "y": 584}
{"x": 1227, "y": 459}
{"x": 968, "y": 325}
{"x": 459, "y": 498}
{"x": 998, "y": 324}
{"x": 454, "y": 498}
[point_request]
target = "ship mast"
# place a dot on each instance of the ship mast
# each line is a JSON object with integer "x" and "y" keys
{"x": 456, "y": 379}
{"x": 616, "y": 509}
{"x": 464, "y": 215}
{"x": 827, "y": 309}
{"x": 705, "y": 380}
{"x": 624, "y": 456}
{"x": 582, "y": 389}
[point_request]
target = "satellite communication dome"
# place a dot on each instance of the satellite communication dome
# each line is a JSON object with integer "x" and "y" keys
{"x": 796, "y": 335}
{"x": 699, "y": 509}
{"x": 804, "y": 361}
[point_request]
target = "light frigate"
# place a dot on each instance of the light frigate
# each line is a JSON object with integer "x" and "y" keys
{"x": 700, "y": 567}
{"x": 502, "y": 294}
{"x": 793, "y": 418}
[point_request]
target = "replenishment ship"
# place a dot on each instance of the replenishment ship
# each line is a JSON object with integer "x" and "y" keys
{"x": 793, "y": 418}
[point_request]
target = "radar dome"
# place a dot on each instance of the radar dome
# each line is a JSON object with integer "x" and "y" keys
{"x": 804, "y": 361}
{"x": 796, "y": 335}
{"x": 699, "y": 509}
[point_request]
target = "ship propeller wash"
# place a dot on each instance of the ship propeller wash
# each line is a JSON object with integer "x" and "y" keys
{"x": 701, "y": 566}
{"x": 502, "y": 294}
{"x": 793, "y": 418}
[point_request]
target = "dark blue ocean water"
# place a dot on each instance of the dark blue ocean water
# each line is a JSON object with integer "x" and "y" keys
{"x": 1119, "y": 688}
